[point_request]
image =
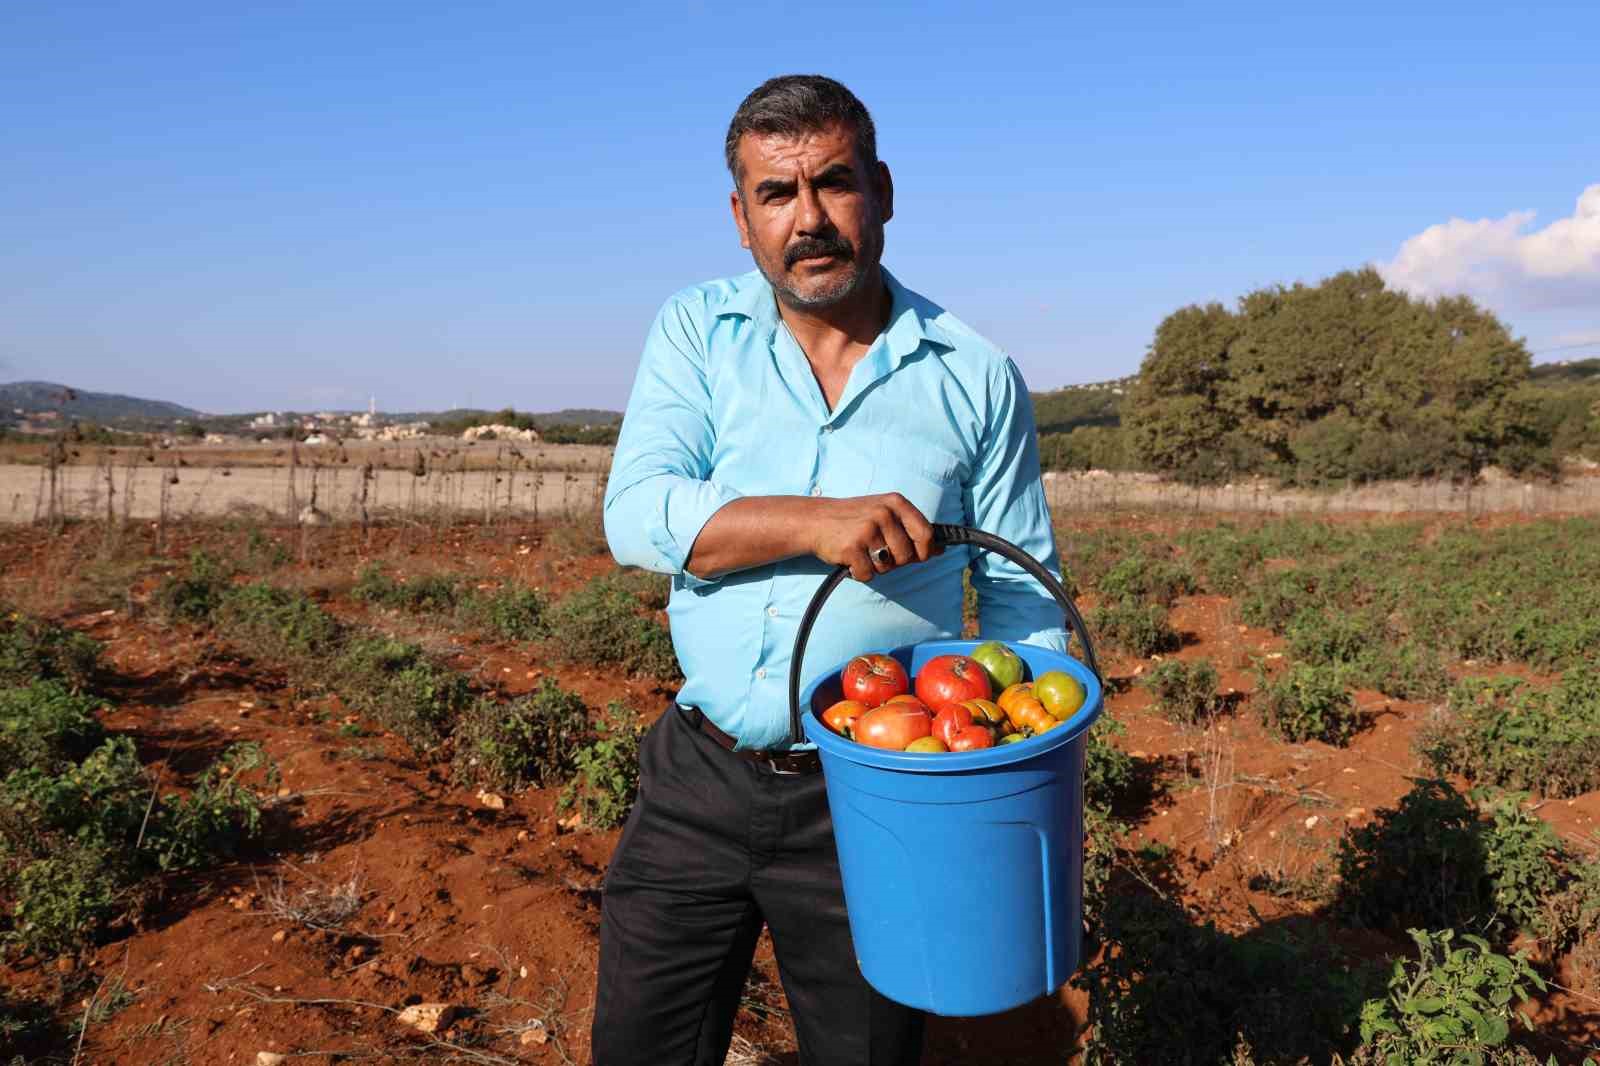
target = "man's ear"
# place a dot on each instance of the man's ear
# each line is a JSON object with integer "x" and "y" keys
{"x": 885, "y": 190}
{"x": 737, "y": 206}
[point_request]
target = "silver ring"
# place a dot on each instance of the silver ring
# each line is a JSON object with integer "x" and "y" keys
{"x": 880, "y": 555}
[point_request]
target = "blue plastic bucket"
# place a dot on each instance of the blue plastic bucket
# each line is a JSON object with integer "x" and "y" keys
{"x": 963, "y": 872}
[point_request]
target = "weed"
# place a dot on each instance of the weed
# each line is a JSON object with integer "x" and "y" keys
{"x": 531, "y": 741}
{"x": 1501, "y": 731}
{"x": 1135, "y": 626}
{"x": 1107, "y": 769}
{"x": 607, "y": 781}
{"x": 32, "y": 649}
{"x": 316, "y": 905}
{"x": 195, "y": 596}
{"x": 1449, "y": 1006}
{"x": 46, "y": 725}
{"x": 1184, "y": 692}
{"x": 1307, "y": 702}
{"x": 604, "y": 623}
{"x": 398, "y": 685}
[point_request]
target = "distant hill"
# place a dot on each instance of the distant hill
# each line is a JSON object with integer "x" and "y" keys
{"x": 570, "y": 416}
{"x": 1096, "y": 404}
{"x": 40, "y": 396}
{"x": 1567, "y": 372}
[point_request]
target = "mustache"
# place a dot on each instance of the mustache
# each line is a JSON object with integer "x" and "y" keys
{"x": 816, "y": 248}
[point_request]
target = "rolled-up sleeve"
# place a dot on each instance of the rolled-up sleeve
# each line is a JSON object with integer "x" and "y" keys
{"x": 1006, "y": 497}
{"x": 660, "y": 493}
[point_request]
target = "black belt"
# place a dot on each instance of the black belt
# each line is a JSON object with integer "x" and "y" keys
{"x": 779, "y": 762}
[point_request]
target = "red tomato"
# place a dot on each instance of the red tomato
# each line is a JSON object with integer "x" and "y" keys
{"x": 951, "y": 679}
{"x": 872, "y": 679}
{"x": 893, "y": 726}
{"x": 971, "y": 739}
{"x": 841, "y": 717}
{"x": 950, "y": 721}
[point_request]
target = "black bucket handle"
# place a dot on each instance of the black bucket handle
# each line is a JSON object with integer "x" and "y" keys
{"x": 946, "y": 535}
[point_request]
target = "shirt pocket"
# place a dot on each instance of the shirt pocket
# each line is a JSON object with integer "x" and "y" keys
{"x": 928, "y": 476}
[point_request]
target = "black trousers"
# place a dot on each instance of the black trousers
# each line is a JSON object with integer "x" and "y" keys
{"x": 715, "y": 848}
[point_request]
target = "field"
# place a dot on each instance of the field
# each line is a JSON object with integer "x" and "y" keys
{"x": 267, "y": 786}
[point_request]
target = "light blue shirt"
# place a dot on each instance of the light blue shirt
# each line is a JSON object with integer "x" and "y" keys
{"x": 725, "y": 405}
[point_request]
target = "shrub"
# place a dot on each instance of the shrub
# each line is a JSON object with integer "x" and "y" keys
{"x": 607, "y": 781}
{"x": 32, "y": 649}
{"x": 1107, "y": 769}
{"x": 511, "y": 611}
{"x": 1500, "y": 731}
{"x": 196, "y": 596}
{"x": 277, "y": 623}
{"x": 430, "y": 593}
{"x": 1168, "y": 990}
{"x": 1184, "y": 692}
{"x": 604, "y": 623}
{"x": 1140, "y": 577}
{"x": 1422, "y": 863}
{"x": 1307, "y": 702}
{"x": 61, "y": 900}
{"x": 396, "y": 684}
{"x": 1136, "y": 627}
{"x": 531, "y": 741}
{"x": 45, "y": 725}
{"x": 1451, "y": 1005}
{"x": 1523, "y": 858}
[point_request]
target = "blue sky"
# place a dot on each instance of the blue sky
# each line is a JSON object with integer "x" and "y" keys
{"x": 301, "y": 204}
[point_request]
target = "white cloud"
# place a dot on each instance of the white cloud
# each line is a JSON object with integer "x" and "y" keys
{"x": 1493, "y": 260}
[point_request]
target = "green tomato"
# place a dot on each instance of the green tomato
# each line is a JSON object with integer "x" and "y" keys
{"x": 1003, "y": 665}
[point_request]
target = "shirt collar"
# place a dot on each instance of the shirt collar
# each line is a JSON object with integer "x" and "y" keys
{"x": 910, "y": 316}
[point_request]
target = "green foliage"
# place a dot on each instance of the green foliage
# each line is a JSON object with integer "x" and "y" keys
{"x": 78, "y": 841}
{"x": 45, "y": 725}
{"x": 1501, "y": 731}
{"x": 1184, "y": 692}
{"x": 1168, "y": 990}
{"x": 32, "y": 649}
{"x": 195, "y": 596}
{"x": 1224, "y": 556}
{"x": 607, "y": 781}
{"x": 1135, "y": 626}
{"x": 432, "y": 593}
{"x": 531, "y": 741}
{"x": 1344, "y": 381}
{"x": 398, "y": 685}
{"x": 1107, "y": 769}
{"x": 1138, "y": 576}
{"x": 511, "y": 612}
{"x": 1451, "y": 1005}
{"x": 1088, "y": 448}
{"x": 1435, "y": 860}
{"x": 605, "y": 623}
{"x": 1307, "y": 702}
{"x": 276, "y": 623}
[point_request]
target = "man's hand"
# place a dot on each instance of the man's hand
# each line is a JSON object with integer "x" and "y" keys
{"x": 854, "y": 532}
{"x": 757, "y": 530}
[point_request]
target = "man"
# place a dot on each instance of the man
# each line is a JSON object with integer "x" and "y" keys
{"x": 810, "y": 413}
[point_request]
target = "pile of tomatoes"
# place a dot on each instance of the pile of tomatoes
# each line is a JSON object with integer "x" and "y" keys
{"x": 952, "y": 704}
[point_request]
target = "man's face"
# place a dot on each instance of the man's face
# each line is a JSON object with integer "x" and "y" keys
{"x": 811, "y": 213}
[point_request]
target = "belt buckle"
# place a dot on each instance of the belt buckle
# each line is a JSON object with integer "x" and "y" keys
{"x": 772, "y": 764}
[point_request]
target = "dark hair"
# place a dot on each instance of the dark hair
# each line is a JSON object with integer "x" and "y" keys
{"x": 800, "y": 103}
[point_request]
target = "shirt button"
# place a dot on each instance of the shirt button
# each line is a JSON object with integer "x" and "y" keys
{"x": 761, "y": 673}
{"x": 816, "y": 490}
{"x": 828, "y": 428}
{"x": 772, "y": 612}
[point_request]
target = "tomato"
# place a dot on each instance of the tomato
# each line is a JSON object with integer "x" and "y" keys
{"x": 971, "y": 738}
{"x": 841, "y": 717}
{"x": 873, "y": 679}
{"x": 950, "y": 679}
{"x": 1060, "y": 692}
{"x": 906, "y": 697}
{"x": 986, "y": 713}
{"x": 1012, "y": 694}
{"x": 927, "y": 744}
{"x": 893, "y": 726}
{"x": 1003, "y": 664}
{"x": 950, "y": 721}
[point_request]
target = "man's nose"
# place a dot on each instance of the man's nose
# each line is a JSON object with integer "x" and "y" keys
{"x": 811, "y": 217}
